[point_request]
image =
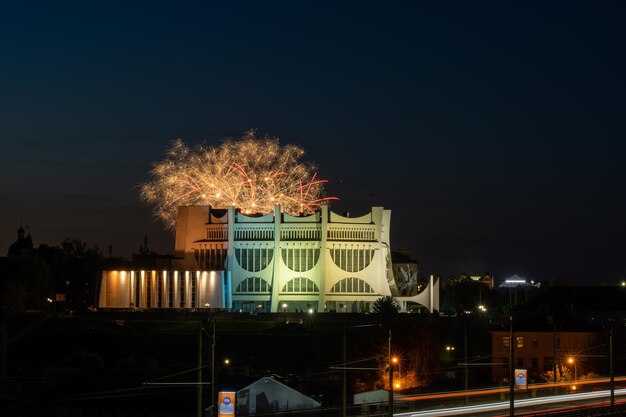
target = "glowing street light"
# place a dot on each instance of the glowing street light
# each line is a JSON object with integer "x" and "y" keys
{"x": 396, "y": 361}
{"x": 572, "y": 361}
{"x": 284, "y": 306}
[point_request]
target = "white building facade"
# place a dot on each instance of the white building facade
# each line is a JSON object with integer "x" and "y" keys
{"x": 324, "y": 262}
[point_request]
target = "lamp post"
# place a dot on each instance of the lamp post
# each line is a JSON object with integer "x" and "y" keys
{"x": 465, "y": 354}
{"x": 554, "y": 356}
{"x": 199, "y": 372}
{"x": 396, "y": 361}
{"x": 572, "y": 361}
{"x": 344, "y": 385}
{"x": 390, "y": 379}
{"x": 285, "y": 311}
{"x": 611, "y": 364}
{"x": 213, "y": 394}
{"x": 511, "y": 372}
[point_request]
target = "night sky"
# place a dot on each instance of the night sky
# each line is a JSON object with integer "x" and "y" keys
{"x": 494, "y": 131}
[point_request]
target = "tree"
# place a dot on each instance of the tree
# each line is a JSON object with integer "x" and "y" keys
{"x": 387, "y": 308}
{"x": 386, "y": 305}
{"x": 74, "y": 268}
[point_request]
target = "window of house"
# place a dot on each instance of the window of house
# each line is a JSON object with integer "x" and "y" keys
{"x": 505, "y": 341}
{"x": 520, "y": 342}
{"x": 535, "y": 363}
{"x": 535, "y": 343}
{"x": 547, "y": 364}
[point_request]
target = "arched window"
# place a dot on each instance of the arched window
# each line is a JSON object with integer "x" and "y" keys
{"x": 301, "y": 285}
{"x": 352, "y": 260}
{"x": 352, "y": 285}
{"x": 254, "y": 259}
{"x": 253, "y": 285}
{"x": 300, "y": 259}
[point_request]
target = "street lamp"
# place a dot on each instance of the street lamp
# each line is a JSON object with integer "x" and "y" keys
{"x": 390, "y": 399}
{"x": 396, "y": 361}
{"x": 285, "y": 311}
{"x": 572, "y": 361}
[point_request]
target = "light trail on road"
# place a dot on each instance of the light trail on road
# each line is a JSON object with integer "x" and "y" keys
{"x": 504, "y": 405}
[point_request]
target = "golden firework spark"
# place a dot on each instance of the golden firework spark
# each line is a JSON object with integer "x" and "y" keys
{"x": 253, "y": 174}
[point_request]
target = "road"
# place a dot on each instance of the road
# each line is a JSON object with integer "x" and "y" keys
{"x": 525, "y": 406}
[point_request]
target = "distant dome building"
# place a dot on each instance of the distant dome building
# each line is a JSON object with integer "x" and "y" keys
{"x": 23, "y": 246}
{"x": 323, "y": 262}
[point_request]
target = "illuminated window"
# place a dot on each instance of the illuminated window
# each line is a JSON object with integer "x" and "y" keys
{"x": 254, "y": 259}
{"x": 351, "y": 260}
{"x": 300, "y": 259}
{"x": 352, "y": 285}
{"x": 301, "y": 285}
{"x": 253, "y": 285}
{"x": 505, "y": 341}
{"x": 520, "y": 342}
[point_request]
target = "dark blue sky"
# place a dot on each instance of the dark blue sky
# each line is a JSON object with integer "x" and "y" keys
{"x": 494, "y": 131}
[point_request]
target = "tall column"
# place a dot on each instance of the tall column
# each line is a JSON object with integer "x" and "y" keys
{"x": 321, "y": 268}
{"x": 276, "y": 260}
{"x": 230, "y": 253}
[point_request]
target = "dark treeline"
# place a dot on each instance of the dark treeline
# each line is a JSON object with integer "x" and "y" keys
{"x": 50, "y": 277}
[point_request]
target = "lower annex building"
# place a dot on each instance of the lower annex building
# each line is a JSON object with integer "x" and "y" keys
{"x": 323, "y": 262}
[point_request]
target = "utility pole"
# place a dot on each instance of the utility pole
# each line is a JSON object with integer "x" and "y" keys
{"x": 213, "y": 398}
{"x": 611, "y": 364}
{"x": 511, "y": 373}
{"x": 466, "y": 371}
{"x": 554, "y": 355}
{"x": 199, "y": 389}
{"x": 345, "y": 382}
{"x": 390, "y": 379}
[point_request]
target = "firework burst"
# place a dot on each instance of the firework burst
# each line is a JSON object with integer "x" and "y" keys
{"x": 253, "y": 174}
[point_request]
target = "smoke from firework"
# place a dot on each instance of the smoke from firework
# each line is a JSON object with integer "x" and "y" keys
{"x": 253, "y": 174}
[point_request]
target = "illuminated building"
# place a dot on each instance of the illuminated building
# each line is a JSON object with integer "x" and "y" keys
{"x": 541, "y": 346}
{"x": 323, "y": 262}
